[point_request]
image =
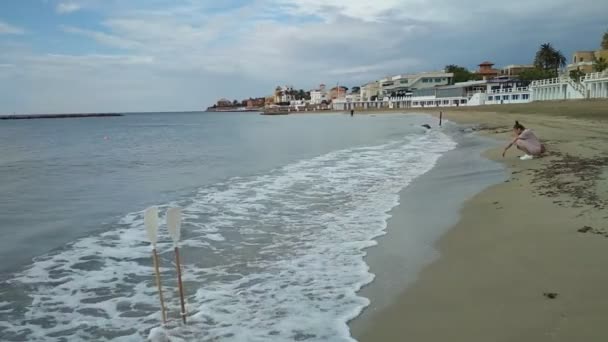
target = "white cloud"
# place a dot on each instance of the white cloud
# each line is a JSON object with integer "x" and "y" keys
{"x": 91, "y": 60}
{"x": 103, "y": 38}
{"x": 6, "y": 28}
{"x": 68, "y": 7}
{"x": 404, "y": 64}
{"x": 462, "y": 12}
{"x": 359, "y": 9}
{"x": 183, "y": 54}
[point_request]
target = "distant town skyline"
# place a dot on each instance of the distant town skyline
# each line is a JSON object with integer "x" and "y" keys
{"x": 162, "y": 55}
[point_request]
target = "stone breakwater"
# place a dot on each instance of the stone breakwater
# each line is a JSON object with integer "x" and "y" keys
{"x": 57, "y": 116}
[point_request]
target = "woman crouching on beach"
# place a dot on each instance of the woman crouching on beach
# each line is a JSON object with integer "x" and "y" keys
{"x": 526, "y": 141}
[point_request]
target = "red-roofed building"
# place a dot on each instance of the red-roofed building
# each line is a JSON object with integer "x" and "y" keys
{"x": 486, "y": 70}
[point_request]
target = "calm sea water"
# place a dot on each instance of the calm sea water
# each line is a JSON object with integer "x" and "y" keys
{"x": 277, "y": 214}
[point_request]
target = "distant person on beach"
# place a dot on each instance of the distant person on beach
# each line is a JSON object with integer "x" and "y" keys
{"x": 526, "y": 141}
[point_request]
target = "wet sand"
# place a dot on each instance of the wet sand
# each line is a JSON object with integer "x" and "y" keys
{"x": 528, "y": 259}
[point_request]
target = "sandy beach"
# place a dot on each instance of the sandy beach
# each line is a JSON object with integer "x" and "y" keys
{"x": 527, "y": 260}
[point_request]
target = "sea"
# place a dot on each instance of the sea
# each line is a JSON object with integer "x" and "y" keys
{"x": 278, "y": 215}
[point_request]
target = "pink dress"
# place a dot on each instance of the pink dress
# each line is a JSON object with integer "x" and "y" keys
{"x": 528, "y": 141}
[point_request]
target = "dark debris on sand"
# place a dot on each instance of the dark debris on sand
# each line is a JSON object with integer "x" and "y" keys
{"x": 573, "y": 176}
{"x": 591, "y": 230}
{"x": 550, "y": 295}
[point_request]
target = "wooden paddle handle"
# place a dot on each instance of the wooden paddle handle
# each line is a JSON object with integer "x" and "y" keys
{"x": 181, "y": 287}
{"x": 159, "y": 286}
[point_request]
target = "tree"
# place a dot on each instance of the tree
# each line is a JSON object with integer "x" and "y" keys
{"x": 605, "y": 41}
{"x": 600, "y": 64}
{"x": 549, "y": 59}
{"x": 301, "y": 95}
{"x": 461, "y": 74}
{"x": 576, "y": 74}
{"x": 535, "y": 74}
{"x": 355, "y": 90}
{"x": 235, "y": 103}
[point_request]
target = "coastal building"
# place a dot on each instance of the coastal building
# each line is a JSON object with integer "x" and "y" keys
{"x": 499, "y": 90}
{"x": 584, "y": 60}
{"x": 591, "y": 86}
{"x": 596, "y": 84}
{"x": 486, "y": 70}
{"x": 284, "y": 94}
{"x": 224, "y": 103}
{"x": 256, "y": 103}
{"x": 400, "y": 85}
{"x": 338, "y": 92}
{"x": 514, "y": 70}
{"x": 269, "y": 101}
{"x": 317, "y": 96}
{"x": 352, "y": 97}
{"x": 370, "y": 91}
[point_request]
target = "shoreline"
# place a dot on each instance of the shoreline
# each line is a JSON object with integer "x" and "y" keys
{"x": 515, "y": 244}
{"x": 409, "y": 243}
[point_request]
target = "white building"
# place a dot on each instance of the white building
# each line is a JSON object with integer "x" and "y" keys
{"x": 591, "y": 86}
{"x": 495, "y": 91}
{"x": 317, "y": 96}
{"x": 370, "y": 91}
{"x": 352, "y": 98}
{"x": 403, "y": 84}
{"x": 473, "y": 93}
{"x": 283, "y": 94}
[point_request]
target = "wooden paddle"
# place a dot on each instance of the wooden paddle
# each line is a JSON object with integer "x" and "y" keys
{"x": 174, "y": 224}
{"x": 151, "y": 223}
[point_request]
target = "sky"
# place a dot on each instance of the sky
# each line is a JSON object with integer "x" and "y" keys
{"x": 59, "y": 56}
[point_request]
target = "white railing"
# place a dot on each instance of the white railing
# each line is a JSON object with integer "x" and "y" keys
{"x": 510, "y": 90}
{"x": 400, "y": 98}
{"x": 595, "y": 76}
{"x": 549, "y": 81}
{"x": 578, "y": 86}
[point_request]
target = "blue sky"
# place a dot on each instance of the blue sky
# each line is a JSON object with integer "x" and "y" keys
{"x": 162, "y": 55}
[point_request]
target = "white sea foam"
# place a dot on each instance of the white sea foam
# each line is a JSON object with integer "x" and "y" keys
{"x": 272, "y": 257}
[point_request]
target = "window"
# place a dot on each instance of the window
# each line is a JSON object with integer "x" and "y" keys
{"x": 515, "y": 97}
{"x": 445, "y": 102}
{"x": 463, "y": 101}
{"x": 490, "y": 98}
{"x": 403, "y": 81}
{"x": 415, "y": 103}
{"x": 425, "y": 80}
{"x": 437, "y": 80}
{"x": 525, "y": 96}
{"x": 387, "y": 84}
{"x": 505, "y": 97}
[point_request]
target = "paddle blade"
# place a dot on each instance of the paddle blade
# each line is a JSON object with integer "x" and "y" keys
{"x": 151, "y": 223}
{"x": 174, "y": 223}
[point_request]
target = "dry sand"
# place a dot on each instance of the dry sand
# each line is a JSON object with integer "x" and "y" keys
{"x": 528, "y": 260}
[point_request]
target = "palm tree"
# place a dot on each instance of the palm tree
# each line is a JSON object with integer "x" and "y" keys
{"x": 605, "y": 41}
{"x": 549, "y": 59}
{"x": 600, "y": 64}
